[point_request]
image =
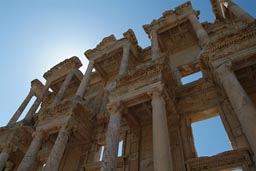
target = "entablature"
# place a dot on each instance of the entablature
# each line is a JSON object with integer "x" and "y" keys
{"x": 230, "y": 42}
{"x": 234, "y": 159}
{"x": 63, "y": 68}
{"x": 135, "y": 87}
{"x": 108, "y": 54}
{"x": 77, "y": 115}
{"x": 175, "y": 29}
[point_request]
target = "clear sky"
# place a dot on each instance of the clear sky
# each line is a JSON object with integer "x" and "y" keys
{"x": 36, "y": 35}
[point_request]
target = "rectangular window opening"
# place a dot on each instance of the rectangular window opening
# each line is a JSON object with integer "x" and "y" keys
{"x": 101, "y": 152}
{"x": 191, "y": 77}
{"x": 120, "y": 148}
{"x": 210, "y": 137}
{"x": 43, "y": 167}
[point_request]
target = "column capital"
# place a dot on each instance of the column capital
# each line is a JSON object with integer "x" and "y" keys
{"x": 115, "y": 107}
{"x": 38, "y": 133}
{"x": 127, "y": 44}
{"x": 153, "y": 31}
{"x": 91, "y": 61}
{"x": 156, "y": 92}
{"x": 224, "y": 68}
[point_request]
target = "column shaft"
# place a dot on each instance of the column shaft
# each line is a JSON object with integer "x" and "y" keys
{"x": 57, "y": 151}
{"x": 186, "y": 135}
{"x": 238, "y": 12}
{"x": 155, "y": 51}
{"x": 31, "y": 154}
{"x": 24, "y": 104}
{"x": 125, "y": 59}
{"x": 39, "y": 99}
{"x": 161, "y": 146}
{"x": 112, "y": 139}
{"x": 63, "y": 88}
{"x": 4, "y": 155}
{"x": 86, "y": 78}
{"x": 199, "y": 30}
{"x": 241, "y": 103}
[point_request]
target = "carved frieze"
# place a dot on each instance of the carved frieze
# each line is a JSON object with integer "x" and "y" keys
{"x": 225, "y": 160}
{"x": 105, "y": 43}
{"x": 63, "y": 67}
{"x": 231, "y": 43}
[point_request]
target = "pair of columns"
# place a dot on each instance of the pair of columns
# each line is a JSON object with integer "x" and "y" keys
{"x": 241, "y": 103}
{"x": 55, "y": 155}
{"x": 122, "y": 70}
{"x": 161, "y": 147}
{"x": 38, "y": 100}
{"x": 197, "y": 26}
{"x": 21, "y": 108}
{"x": 237, "y": 11}
{"x": 24, "y": 104}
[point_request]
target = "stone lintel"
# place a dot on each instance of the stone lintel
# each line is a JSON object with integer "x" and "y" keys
{"x": 141, "y": 94}
{"x": 111, "y": 48}
{"x": 221, "y": 161}
{"x": 171, "y": 18}
{"x": 65, "y": 66}
{"x": 110, "y": 44}
{"x": 236, "y": 57}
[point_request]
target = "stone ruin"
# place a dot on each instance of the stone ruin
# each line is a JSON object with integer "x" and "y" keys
{"x": 135, "y": 96}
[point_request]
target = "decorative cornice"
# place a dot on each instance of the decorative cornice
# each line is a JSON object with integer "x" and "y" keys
{"x": 66, "y": 65}
{"x": 180, "y": 10}
{"x": 226, "y": 41}
{"x": 106, "y": 42}
{"x": 129, "y": 34}
{"x": 37, "y": 84}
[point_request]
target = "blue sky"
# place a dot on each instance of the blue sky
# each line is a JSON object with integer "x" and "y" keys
{"x": 36, "y": 35}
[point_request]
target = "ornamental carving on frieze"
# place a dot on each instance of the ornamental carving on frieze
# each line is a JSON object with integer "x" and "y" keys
{"x": 64, "y": 66}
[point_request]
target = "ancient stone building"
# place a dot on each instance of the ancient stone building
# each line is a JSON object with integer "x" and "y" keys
{"x": 131, "y": 100}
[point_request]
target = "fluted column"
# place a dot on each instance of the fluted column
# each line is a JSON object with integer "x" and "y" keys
{"x": 241, "y": 103}
{"x": 238, "y": 12}
{"x": 161, "y": 145}
{"x": 37, "y": 102}
{"x": 63, "y": 88}
{"x": 155, "y": 51}
{"x": 4, "y": 155}
{"x": 125, "y": 59}
{"x": 112, "y": 138}
{"x": 199, "y": 30}
{"x": 31, "y": 154}
{"x": 86, "y": 78}
{"x": 58, "y": 149}
{"x": 21, "y": 108}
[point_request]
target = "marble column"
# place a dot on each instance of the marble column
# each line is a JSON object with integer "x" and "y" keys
{"x": 155, "y": 51}
{"x": 109, "y": 162}
{"x": 31, "y": 154}
{"x": 187, "y": 136}
{"x": 241, "y": 103}
{"x": 4, "y": 155}
{"x": 161, "y": 146}
{"x": 125, "y": 59}
{"x": 21, "y": 108}
{"x": 199, "y": 30}
{"x": 58, "y": 149}
{"x": 37, "y": 102}
{"x": 63, "y": 88}
{"x": 238, "y": 12}
{"x": 86, "y": 78}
